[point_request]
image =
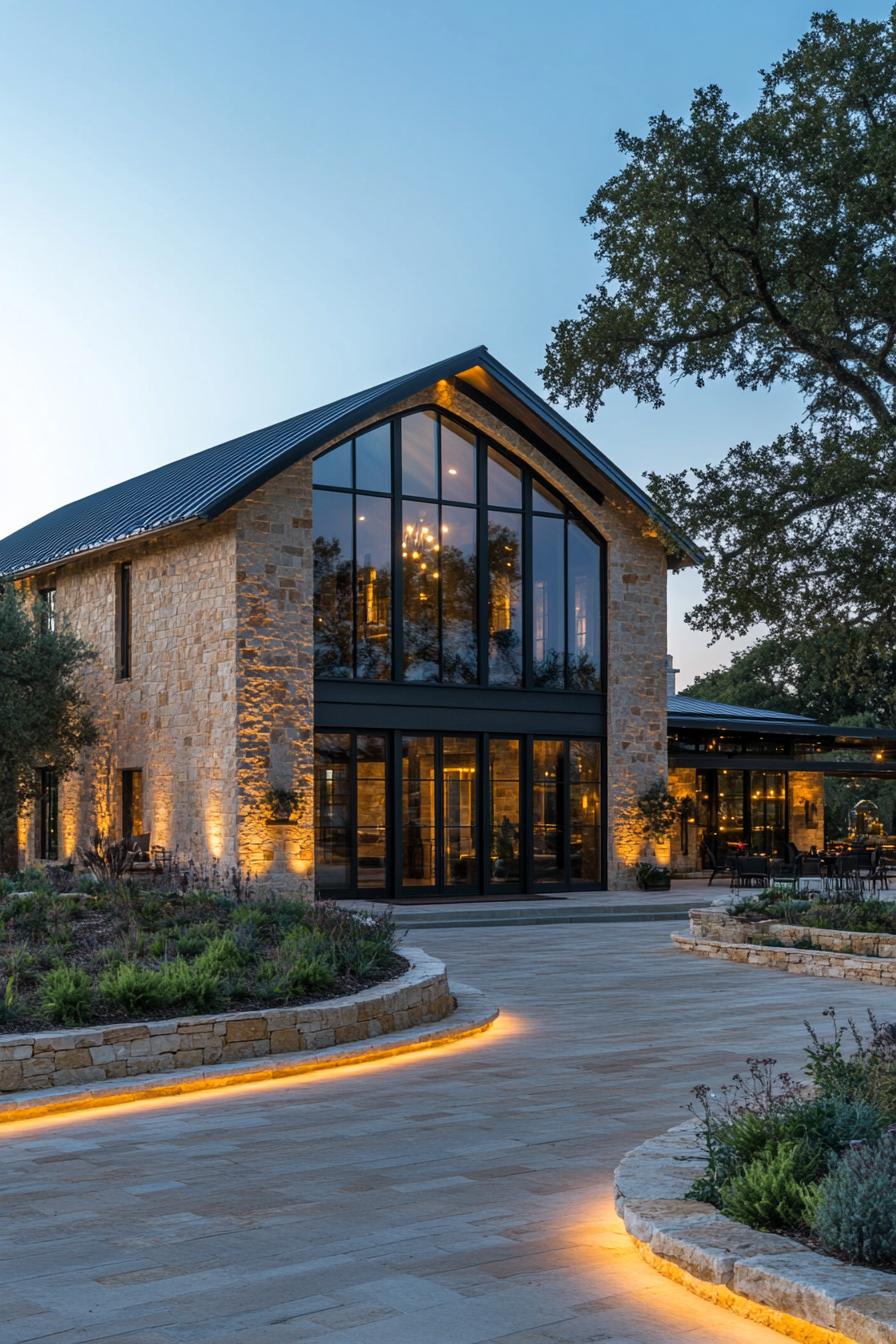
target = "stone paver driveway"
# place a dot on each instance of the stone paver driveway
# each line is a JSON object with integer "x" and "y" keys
{"x": 449, "y": 1199}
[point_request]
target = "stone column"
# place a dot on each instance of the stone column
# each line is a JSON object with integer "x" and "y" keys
{"x": 275, "y": 679}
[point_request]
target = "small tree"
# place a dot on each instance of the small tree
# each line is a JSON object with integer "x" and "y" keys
{"x": 44, "y": 718}
{"x": 659, "y": 812}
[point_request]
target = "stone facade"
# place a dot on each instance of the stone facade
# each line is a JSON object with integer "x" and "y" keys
{"x": 219, "y": 706}
{"x": 95, "y": 1054}
{"x": 175, "y": 717}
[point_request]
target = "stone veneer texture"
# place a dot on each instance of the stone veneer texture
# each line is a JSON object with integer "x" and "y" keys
{"x": 219, "y": 706}
{"x": 125, "y": 1050}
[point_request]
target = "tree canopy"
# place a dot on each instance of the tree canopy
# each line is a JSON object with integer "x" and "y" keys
{"x": 44, "y": 719}
{"x": 842, "y": 679}
{"x": 761, "y": 248}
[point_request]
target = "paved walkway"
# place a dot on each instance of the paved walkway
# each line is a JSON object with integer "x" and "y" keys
{"x": 457, "y": 1198}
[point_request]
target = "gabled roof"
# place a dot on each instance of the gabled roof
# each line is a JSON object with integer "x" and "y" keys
{"x": 199, "y": 487}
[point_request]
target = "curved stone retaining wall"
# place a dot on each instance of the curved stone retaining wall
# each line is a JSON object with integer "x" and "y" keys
{"x": 839, "y": 955}
{"x": 94, "y": 1054}
{"x": 770, "y": 1279}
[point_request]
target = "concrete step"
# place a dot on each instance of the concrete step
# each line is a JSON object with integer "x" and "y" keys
{"x": 520, "y": 915}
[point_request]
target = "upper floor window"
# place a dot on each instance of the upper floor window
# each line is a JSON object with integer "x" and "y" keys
{"x": 438, "y": 557}
{"x": 123, "y": 622}
{"x": 47, "y": 610}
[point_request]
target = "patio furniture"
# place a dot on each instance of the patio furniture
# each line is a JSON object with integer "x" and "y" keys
{"x": 786, "y": 872}
{"x": 813, "y": 873}
{"x": 750, "y": 872}
{"x": 719, "y": 869}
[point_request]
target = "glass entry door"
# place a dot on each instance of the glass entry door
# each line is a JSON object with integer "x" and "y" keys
{"x": 461, "y": 814}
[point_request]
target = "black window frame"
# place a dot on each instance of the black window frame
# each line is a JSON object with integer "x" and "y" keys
{"x": 47, "y": 609}
{"x": 526, "y": 511}
{"x": 48, "y": 815}
{"x": 128, "y": 780}
{"x": 123, "y": 621}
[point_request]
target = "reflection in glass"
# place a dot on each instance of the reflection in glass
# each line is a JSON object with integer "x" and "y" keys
{"x": 584, "y": 811}
{"x": 370, "y": 751}
{"x": 458, "y": 457}
{"x": 768, "y": 810}
{"x": 373, "y": 459}
{"x": 332, "y": 810}
{"x": 373, "y": 586}
{"x": 505, "y": 485}
{"x": 548, "y": 829}
{"x": 418, "y": 454}
{"x": 583, "y": 616}
{"x": 504, "y": 810}
{"x": 459, "y": 791}
{"x": 334, "y": 467}
{"x": 547, "y": 601}
{"x": 421, "y": 561}
{"x": 505, "y": 599}
{"x": 332, "y": 584}
{"x": 458, "y": 583}
{"x": 544, "y": 500}
{"x": 418, "y": 812}
{"x": 731, "y": 807}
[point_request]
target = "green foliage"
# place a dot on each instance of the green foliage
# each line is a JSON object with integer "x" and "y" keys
{"x": 775, "y": 1192}
{"x": 44, "y": 718}
{"x": 658, "y": 811}
{"x": 770, "y": 240}
{"x": 152, "y": 953}
{"x": 855, "y": 1211}
{"x": 66, "y": 996}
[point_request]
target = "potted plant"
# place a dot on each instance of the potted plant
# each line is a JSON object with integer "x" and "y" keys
{"x": 651, "y": 877}
{"x": 658, "y": 813}
{"x": 281, "y": 803}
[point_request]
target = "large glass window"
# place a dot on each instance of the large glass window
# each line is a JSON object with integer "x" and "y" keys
{"x": 48, "y": 836}
{"x": 332, "y": 811}
{"x": 418, "y": 797}
{"x": 402, "y": 589}
{"x": 400, "y": 813}
{"x": 504, "y": 811}
{"x": 548, "y": 809}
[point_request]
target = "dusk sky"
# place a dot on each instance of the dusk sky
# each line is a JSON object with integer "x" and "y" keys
{"x": 216, "y": 215}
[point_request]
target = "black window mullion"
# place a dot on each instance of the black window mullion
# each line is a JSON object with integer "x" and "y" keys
{"x": 528, "y": 636}
{"x": 397, "y": 567}
{"x": 566, "y": 648}
{"x": 440, "y": 589}
{"x": 483, "y": 574}
{"x": 353, "y": 812}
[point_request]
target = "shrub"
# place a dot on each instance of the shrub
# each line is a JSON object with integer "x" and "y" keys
{"x": 221, "y": 956}
{"x": 855, "y": 1212}
{"x": 133, "y": 990}
{"x": 65, "y": 995}
{"x": 307, "y": 975}
{"x": 775, "y": 1192}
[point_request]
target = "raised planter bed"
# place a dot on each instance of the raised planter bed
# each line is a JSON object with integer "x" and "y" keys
{"x": 839, "y": 954}
{"x": 771, "y": 1279}
{"x": 82, "y": 1055}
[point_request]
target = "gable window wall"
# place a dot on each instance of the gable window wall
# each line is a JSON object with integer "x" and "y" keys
{"x": 463, "y": 599}
{"x": 438, "y": 558}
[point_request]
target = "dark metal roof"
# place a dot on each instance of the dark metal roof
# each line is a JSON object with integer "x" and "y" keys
{"x": 203, "y": 485}
{"x": 688, "y": 711}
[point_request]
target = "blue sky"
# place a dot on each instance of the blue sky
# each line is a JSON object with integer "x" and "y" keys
{"x": 215, "y": 215}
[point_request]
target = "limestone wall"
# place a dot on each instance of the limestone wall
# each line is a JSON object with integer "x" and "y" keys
{"x": 175, "y": 717}
{"x": 275, "y": 676}
{"x": 125, "y": 1050}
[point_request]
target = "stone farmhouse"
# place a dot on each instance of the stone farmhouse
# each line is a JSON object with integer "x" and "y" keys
{"x": 412, "y": 642}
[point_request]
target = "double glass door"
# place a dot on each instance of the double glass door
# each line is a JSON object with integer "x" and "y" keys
{"x": 459, "y": 814}
{"x": 743, "y": 808}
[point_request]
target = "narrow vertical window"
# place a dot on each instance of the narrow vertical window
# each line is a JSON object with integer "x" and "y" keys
{"x": 48, "y": 816}
{"x": 47, "y": 610}
{"x": 123, "y": 623}
{"x": 132, "y": 804}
